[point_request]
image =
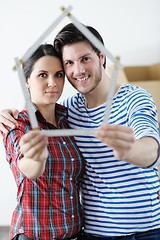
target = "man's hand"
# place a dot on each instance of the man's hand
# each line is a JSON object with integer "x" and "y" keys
{"x": 142, "y": 152}
{"x": 8, "y": 117}
{"x": 119, "y": 138}
{"x": 159, "y": 194}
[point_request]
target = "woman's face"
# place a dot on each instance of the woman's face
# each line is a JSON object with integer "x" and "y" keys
{"x": 46, "y": 81}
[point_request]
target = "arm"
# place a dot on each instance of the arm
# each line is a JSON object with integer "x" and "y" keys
{"x": 33, "y": 145}
{"x": 125, "y": 147}
{"x": 8, "y": 117}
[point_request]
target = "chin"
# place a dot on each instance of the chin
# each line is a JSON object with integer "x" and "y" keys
{"x": 85, "y": 91}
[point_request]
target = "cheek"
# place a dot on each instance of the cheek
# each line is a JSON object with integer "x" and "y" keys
{"x": 37, "y": 89}
{"x": 60, "y": 84}
{"x": 67, "y": 71}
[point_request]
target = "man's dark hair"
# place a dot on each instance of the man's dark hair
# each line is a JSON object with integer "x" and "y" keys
{"x": 70, "y": 34}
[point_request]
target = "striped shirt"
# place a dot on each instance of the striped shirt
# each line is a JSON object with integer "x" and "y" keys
{"x": 47, "y": 207}
{"x": 118, "y": 198}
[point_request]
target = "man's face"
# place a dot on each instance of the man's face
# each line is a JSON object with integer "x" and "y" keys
{"x": 82, "y": 66}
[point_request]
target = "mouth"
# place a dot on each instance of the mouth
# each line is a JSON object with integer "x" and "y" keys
{"x": 51, "y": 93}
{"x": 82, "y": 80}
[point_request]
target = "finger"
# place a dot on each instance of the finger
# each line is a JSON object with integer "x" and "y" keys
{"x": 115, "y": 131}
{"x": 116, "y": 128}
{"x": 34, "y": 137}
{"x": 3, "y": 129}
{"x": 27, "y": 137}
{"x": 37, "y": 142}
{"x": 120, "y": 137}
{"x": 116, "y": 136}
{"x": 7, "y": 118}
{"x": 35, "y": 151}
{"x": 120, "y": 144}
{"x": 14, "y": 112}
{"x": 32, "y": 140}
{"x": 119, "y": 140}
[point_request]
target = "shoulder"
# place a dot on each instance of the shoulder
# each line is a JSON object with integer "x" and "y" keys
{"x": 61, "y": 110}
{"x": 76, "y": 99}
{"x": 133, "y": 92}
{"x": 130, "y": 88}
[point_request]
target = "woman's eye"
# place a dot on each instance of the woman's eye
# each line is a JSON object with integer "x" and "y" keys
{"x": 60, "y": 75}
{"x": 42, "y": 75}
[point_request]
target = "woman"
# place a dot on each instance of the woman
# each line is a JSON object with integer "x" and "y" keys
{"x": 47, "y": 172}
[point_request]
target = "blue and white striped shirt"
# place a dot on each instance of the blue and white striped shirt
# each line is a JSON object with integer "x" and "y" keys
{"x": 118, "y": 198}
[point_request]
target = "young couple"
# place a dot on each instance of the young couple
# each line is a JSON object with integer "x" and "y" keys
{"x": 120, "y": 181}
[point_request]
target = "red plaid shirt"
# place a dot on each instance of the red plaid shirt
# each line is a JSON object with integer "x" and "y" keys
{"x": 47, "y": 207}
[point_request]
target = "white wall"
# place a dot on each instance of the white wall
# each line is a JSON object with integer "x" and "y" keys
{"x": 130, "y": 28}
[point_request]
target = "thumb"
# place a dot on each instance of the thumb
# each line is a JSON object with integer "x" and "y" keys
{"x": 14, "y": 112}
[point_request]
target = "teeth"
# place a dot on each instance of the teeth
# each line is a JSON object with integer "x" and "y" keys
{"x": 82, "y": 79}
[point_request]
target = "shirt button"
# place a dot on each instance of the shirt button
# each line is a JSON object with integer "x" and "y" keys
{"x": 71, "y": 197}
{"x": 72, "y": 159}
{"x": 64, "y": 143}
{"x": 71, "y": 179}
{"x": 72, "y": 216}
{"x": 21, "y": 230}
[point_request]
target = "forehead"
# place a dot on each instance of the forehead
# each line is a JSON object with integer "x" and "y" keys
{"x": 47, "y": 62}
{"x": 76, "y": 50}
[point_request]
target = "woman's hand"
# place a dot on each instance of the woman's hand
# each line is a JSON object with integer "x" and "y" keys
{"x": 33, "y": 146}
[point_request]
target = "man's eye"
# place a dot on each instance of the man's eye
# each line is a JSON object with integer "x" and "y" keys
{"x": 85, "y": 59}
{"x": 68, "y": 63}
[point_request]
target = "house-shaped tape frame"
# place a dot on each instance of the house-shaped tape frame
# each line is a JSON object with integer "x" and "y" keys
{"x": 95, "y": 42}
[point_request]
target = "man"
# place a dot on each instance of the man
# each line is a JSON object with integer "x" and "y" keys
{"x": 119, "y": 189}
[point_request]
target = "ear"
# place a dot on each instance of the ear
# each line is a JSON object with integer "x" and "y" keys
{"x": 102, "y": 58}
{"x": 27, "y": 83}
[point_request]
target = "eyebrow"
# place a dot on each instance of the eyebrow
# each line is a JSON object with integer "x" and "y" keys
{"x": 86, "y": 55}
{"x": 42, "y": 71}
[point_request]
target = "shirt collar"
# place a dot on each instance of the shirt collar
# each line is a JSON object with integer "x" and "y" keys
{"x": 60, "y": 111}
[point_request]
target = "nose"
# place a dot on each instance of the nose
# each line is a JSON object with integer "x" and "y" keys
{"x": 78, "y": 68}
{"x": 51, "y": 82}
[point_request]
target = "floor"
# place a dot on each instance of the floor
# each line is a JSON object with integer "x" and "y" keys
{"x": 4, "y": 233}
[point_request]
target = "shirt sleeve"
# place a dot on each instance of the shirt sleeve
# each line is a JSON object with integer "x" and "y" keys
{"x": 143, "y": 118}
{"x": 13, "y": 154}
